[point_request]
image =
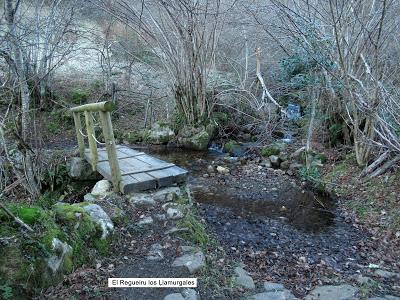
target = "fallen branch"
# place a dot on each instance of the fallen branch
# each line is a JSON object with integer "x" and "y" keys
{"x": 265, "y": 89}
{"x": 385, "y": 167}
{"x": 374, "y": 165}
{"x": 16, "y": 219}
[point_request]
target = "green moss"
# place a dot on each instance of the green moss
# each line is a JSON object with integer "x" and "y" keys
{"x": 270, "y": 150}
{"x": 68, "y": 265}
{"x": 101, "y": 246}
{"x": 198, "y": 141}
{"x": 67, "y": 213}
{"x": 28, "y": 214}
{"x": 230, "y": 146}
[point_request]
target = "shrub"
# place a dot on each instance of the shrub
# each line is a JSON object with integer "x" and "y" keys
{"x": 79, "y": 97}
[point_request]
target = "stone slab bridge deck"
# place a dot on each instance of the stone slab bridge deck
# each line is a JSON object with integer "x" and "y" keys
{"x": 129, "y": 170}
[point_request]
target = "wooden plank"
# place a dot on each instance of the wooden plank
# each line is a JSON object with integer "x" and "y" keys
{"x": 148, "y": 169}
{"x": 104, "y": 156}
{"x": 104, "y": 169}
{"x": 129, "y": 151}
{"x": 151, "y": 160}
{"x": 167, "y": 177}
{"x": 143, "y": 182}
{"x": 105, "y": 149}
{"x": 131, "y": 184}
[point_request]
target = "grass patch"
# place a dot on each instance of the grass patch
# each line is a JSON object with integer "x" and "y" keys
{"x": 197, "y": 233}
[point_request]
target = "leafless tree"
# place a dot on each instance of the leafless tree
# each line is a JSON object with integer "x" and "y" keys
{"x": 35, "y": 37}
{"x": 184, "y": 36}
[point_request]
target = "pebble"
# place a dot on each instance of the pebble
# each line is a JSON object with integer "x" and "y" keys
{"x": 273, "y": 287}
{"x": 174, "y": 214}
{"x": 145, "y": 221}
{"x": 222, "y": 170}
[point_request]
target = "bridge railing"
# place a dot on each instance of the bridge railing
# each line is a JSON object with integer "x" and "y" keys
{"x": 103, "y": 109}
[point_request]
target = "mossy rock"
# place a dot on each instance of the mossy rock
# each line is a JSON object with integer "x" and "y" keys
{"x": 159, "y": 134}
{"x": 27, "y": 261}
{"x": 67, "y": 213}
{"x": 198, "y": 141}
{"x": 231, "y": 147}
{"x": 24, "y": 262}
{"x": 270, "y": 150}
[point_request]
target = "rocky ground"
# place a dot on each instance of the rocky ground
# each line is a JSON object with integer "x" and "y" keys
{"x": 286, "y": 234}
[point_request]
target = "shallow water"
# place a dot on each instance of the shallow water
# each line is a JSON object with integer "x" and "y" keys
{"x": 304, "y": 210}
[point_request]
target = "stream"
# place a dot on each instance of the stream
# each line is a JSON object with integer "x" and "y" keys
{"x": 266, "y": 219}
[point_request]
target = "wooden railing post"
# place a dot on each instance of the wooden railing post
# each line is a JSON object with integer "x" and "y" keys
{"x": 78, "y": 130}
{"x": 104, "y": 109}
{"x": 111, "y": 149}
{"x": 92, "y": 141}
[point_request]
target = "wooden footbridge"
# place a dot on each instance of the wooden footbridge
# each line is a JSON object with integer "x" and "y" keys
{"x": 129, "y": 170}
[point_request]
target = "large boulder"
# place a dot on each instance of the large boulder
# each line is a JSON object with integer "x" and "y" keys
{"x": 101, "y": 188}
{"x": 160, "y": 134}
{"x": 79, "y": 169}
{"x": 194, "y": 138}
{"x": 61, "y": 253}
{"x": 100, "y": 217}
{"x": 273, "y": 149}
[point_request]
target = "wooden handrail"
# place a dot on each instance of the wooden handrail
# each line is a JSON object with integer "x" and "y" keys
{"x": 95, "y": 107}
{"x": 104, "y": 109}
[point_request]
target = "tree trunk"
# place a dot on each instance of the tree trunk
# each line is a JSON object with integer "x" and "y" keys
{"x": 21, "y": 75}
{"x": 31, "y": 185}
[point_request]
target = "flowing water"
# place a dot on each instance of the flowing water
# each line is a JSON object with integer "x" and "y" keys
{"x": 302, "y": 209}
